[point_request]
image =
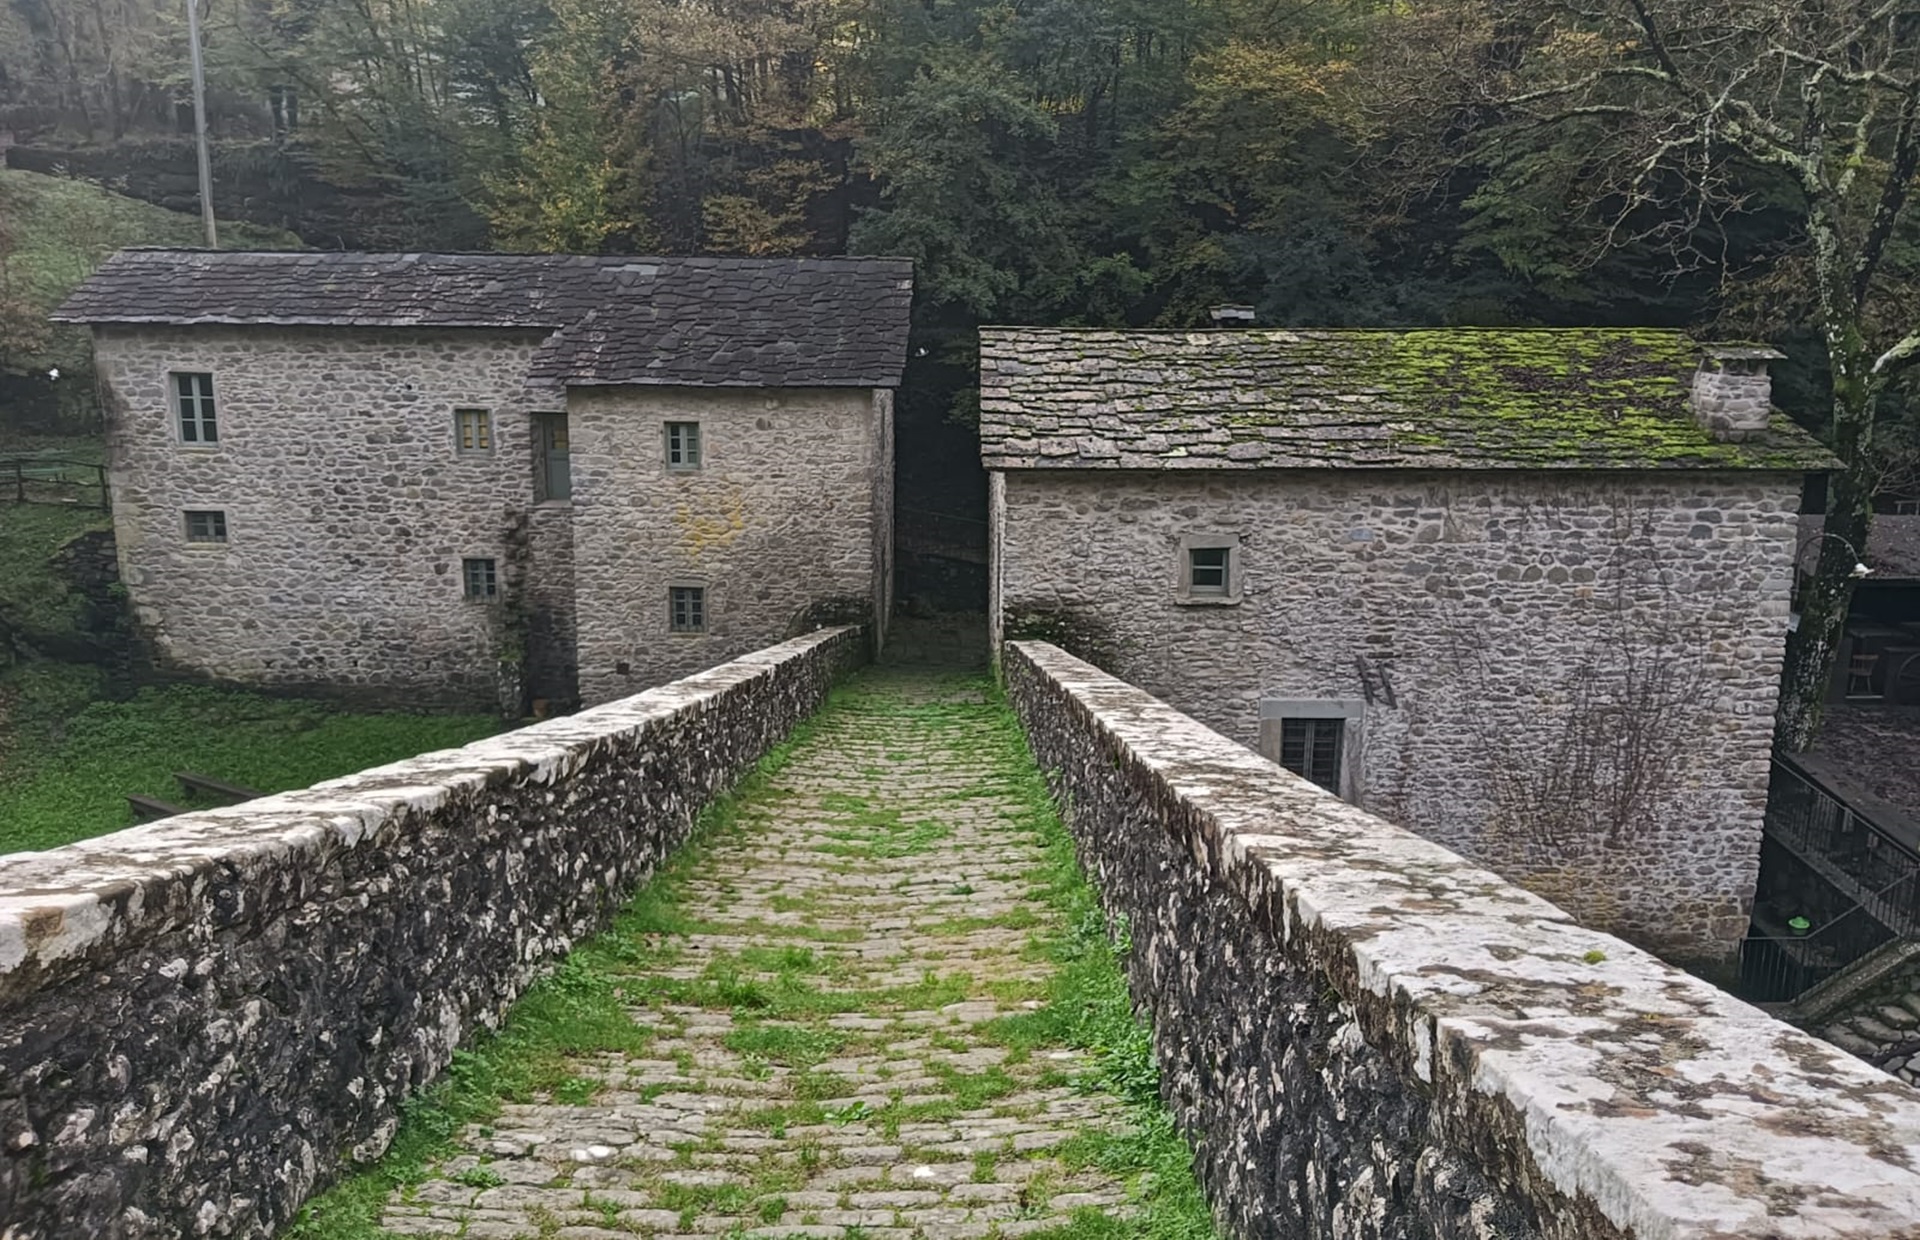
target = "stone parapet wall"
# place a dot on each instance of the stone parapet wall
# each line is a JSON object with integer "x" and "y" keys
{"x": 202, "y": 1018}
{"x": 1366, "y": 1035}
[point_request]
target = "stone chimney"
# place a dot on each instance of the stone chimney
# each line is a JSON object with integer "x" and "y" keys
{"x": 1232, "y": 316}
{"x": 1732, "y": 391}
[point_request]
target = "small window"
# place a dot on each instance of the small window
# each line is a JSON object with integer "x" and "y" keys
{"x": 1311, "y": 747}
{"x": 683, "y": 445}
{"x": 473, "y": 430}
{"x": 687, "y": 609}
{"x": 206, "y": 526}
{"x": 1209, "y": 571}
{"x": 194, "y": 394}
{"x": 553, "y": 458}
{"x": 482, "y": 582}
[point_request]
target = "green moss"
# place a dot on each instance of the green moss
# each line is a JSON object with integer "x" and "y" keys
{"x": 67, "y": 769}
{"x": 1605, "y": 398}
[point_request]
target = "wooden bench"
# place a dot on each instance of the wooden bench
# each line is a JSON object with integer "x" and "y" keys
{"x": 219, "y": 789}
{"x": 147, "y": 809}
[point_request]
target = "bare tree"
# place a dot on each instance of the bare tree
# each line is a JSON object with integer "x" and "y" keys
{"x": 1658, "y": 121}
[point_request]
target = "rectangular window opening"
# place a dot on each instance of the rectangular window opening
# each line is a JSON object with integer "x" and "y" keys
{"x": 553, "y": 451}
{"x": 1311, "y": 747}
{"x": 473, "y": 430}
{"x": 683, "y": 445}
{"x": 194, "y": 396}
{"x": 206, "y": 526}
{"x": 1208, "y": 570}
{"x": 687, "y": 609}
{"x": 480, "y": 578}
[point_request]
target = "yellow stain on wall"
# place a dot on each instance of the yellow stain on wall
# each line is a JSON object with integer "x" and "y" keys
{"x": 703, "y": 532}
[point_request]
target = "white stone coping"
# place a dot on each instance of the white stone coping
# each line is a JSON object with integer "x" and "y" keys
{"x": 1676, "y": 1109}
{"x": 61, "y": 902}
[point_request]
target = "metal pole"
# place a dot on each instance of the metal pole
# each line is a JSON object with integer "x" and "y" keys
{"x": 200, "y": 125}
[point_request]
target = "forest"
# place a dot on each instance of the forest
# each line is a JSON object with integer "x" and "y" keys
{"x": 1743, "y": 170}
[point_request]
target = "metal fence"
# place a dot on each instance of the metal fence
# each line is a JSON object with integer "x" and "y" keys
{"x": 1780, "y": 967}
{"x": 44, "y": 480}
{"x": 1872, "y": 876}
{"x": 1863, "y": 862}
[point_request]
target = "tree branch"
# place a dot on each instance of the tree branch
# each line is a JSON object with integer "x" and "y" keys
{"x": 1655, "y": 40}
{"x": 1898, "y": 358}
{"x": 1893, "y": 196}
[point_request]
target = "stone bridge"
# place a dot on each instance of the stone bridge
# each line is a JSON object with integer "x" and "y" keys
{"x": 835, "y": 1016}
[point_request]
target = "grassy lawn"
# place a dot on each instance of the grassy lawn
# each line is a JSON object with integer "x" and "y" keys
{"x": 68, "y": 758}
{"x": 65, "y": 777}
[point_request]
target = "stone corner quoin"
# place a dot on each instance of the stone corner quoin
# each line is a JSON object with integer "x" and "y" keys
{"x": 1442, "y": 1050}
{"x": 185, "y": 1024}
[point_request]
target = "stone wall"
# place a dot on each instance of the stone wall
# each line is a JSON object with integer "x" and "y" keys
{"x": 1478, "y": 631}
{"x": 1365, "y": 1035}
{"x": 349, "y": 508}
{"x": 779, "y": 524}
{"x": 199, "y": 1019}
{"x": 553, "y": 635}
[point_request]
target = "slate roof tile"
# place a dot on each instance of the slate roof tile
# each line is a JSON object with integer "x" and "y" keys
{"x": 613, "y": 318}
{"x": 1325, "y": 399}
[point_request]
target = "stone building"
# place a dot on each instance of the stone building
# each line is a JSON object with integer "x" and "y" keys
{"x": 1524, "y": 592}
{"x": 462, "y": 479}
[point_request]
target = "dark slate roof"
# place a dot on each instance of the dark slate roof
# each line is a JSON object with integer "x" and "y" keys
{"x": 1274, "y": 399}
{"x": 614, "y": 319}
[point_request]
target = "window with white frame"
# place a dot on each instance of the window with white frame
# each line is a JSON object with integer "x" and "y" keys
{"x": 193, "y": 397}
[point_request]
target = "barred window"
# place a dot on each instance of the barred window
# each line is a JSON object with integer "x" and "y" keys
{"x": 206, "y": 526}
{"x": 1311, "y": 747}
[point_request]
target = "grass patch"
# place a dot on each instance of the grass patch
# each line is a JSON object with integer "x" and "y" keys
{"x": 34, "y": 598}
{"x": 1088, "y": 1008}
{"x": 792, "y": 1046}
{"x": 67, "y": 779}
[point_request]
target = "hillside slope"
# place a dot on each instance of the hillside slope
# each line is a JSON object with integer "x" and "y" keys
{"x": 53, "y": 232}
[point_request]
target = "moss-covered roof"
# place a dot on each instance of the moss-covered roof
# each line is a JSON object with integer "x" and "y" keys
{"x": 1283, "y": 399}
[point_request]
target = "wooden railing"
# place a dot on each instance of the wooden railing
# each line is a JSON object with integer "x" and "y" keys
{"x": 48, "y": 480}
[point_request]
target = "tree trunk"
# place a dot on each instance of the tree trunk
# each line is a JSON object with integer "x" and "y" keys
{"x": 1813, "y": 648}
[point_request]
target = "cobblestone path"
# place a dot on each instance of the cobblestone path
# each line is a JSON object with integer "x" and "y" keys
{"x": 838, "y": 1046}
